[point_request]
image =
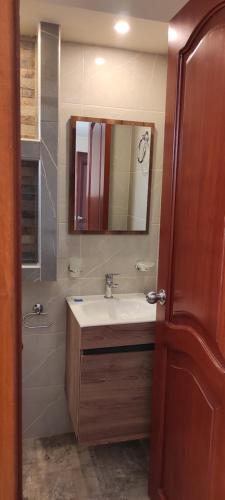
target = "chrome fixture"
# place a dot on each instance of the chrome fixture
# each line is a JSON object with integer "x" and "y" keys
{"x": 109, "y": 285}
{"x": 144, "y": 266}
{"x": 37, "y": 311}
{"x": 154, "y": 297}
{"x": 79, "y": 218}
{"x": 38, "y": 308}
{"x": 143, "y": 146}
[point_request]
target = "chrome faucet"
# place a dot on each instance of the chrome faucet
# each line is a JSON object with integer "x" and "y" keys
{"x": 109, "y": 285}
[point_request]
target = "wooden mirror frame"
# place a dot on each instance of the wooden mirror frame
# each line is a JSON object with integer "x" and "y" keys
{"x": 73, "y": 121}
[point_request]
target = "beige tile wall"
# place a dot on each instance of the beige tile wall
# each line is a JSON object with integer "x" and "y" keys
{"x": 28, "y": 88}
{"x": 130, "y": 86}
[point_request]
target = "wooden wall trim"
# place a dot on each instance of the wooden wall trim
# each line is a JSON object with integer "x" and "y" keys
{"x": 10, "y": 284}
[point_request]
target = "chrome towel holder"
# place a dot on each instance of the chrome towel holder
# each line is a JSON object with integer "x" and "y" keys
{"x": 37, "y": 311}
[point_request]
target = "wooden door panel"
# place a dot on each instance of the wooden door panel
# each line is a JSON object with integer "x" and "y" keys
{"x": 190, "y": 423}
{"x": 200, "y": 208}
{"x": 189, "y": 413}
{"x": 188, "y": 431}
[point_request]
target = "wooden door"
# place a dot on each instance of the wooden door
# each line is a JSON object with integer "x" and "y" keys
{"x": 10, "y": 251}
{"x": 81, "y": 199}
{"x": 96, "y": 161}
{"x": 188, "y": 421}
{"x": 98, "y": 176}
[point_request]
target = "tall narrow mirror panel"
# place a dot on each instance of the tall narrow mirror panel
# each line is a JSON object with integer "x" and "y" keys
{"x": 110, "y": 176}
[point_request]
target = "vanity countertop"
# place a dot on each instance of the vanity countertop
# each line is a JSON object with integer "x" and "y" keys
{"x": 96, "y": 310}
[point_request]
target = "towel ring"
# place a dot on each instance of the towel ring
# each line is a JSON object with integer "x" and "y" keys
{"x": 143, "y": 146}
{"x": 37, "y": 311}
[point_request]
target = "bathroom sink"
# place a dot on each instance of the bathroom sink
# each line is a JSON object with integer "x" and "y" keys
{"x": 95, "y": 310}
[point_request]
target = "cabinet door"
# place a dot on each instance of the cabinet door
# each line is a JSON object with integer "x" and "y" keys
{"x": 115, "y": 396}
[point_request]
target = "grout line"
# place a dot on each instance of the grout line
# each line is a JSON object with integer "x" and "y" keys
{"x": 102, "y": 263}
{"x": 126, "y": 276}
{"x": 44, "y": 334}
{"x": 43, "y": 413}
{"x": 60, "y": 386}
{"x": 99, "y": 107}
{"x": 37, "y": 368}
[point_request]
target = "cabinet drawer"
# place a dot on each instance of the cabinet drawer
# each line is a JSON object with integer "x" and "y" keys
{"x": 117, "y": 335}
{"x": 115, "y": 393}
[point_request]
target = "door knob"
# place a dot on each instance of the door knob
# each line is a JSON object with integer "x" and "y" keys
{"x": 80, "y": 218}
{"x": 154, "y": 297}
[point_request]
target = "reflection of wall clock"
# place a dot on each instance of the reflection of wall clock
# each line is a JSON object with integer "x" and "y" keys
{"x": 143, "y": 146}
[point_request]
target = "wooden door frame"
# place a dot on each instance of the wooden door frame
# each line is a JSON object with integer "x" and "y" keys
{"x": 10, "y": 250}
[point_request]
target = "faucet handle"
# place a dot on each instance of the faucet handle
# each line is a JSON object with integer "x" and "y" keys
{"x": 109, "y": 279}
{"x": 109, "y": 285}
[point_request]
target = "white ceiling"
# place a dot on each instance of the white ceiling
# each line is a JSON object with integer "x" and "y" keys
{"x": 94, "y": 25}
{"x": 158, "y": 10}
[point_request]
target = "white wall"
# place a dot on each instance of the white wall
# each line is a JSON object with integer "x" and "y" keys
{"x": 130, "y": 86}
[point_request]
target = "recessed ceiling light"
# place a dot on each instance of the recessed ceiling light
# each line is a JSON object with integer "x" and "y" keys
{"x": 122, "y": 27}
{"x": 99, "y": 61}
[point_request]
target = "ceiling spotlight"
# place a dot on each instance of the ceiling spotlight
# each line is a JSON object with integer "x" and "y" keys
{"x": 99, "y": 61}
{"x": 122, "y": 27}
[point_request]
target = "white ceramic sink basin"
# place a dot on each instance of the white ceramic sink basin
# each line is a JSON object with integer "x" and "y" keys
{"x": 93, "y": 310}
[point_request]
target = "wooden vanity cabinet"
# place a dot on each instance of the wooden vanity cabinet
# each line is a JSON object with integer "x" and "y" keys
{"x": 108, "y": 380}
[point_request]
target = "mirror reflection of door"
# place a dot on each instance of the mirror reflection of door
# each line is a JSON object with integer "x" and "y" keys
{"x": 91, "y": 204}
{"x": 81, "y": 199}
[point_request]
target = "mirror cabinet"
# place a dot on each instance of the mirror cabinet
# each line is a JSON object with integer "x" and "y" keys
{"x": 110, "y": 176}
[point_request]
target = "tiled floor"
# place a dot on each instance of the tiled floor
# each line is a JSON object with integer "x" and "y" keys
{"x": 57, "y": 469}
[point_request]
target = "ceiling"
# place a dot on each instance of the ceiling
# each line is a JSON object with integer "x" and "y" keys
{"x": 93, "y": 23}
{"x": 158, "y": 10}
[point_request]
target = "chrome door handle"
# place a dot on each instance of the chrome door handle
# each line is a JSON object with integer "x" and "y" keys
{"x": 154, "y": 297}
{"x": 80, "y": 218}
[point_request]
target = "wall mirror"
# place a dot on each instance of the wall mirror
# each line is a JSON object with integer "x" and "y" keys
{"x": 110, "y": 176}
